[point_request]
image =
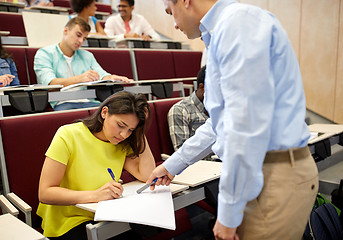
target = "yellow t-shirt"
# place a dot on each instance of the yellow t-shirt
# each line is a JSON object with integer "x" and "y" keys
{"x": 87, "y": 159}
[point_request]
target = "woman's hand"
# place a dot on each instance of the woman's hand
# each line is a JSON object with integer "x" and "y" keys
{"x": 6, "y": 79}
{"x": 108, "y": 191}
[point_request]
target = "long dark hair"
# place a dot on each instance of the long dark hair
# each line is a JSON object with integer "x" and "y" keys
{"x": 124, "y": 103}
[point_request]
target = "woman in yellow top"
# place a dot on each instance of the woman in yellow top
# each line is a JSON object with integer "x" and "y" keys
{"x": 75, "y": 167}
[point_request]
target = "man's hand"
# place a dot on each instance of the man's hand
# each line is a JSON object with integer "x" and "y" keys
{"x": 132, "y": 35}
{"x": 117, "y": 78}
{"x": 164, "y": 177}
{"x": 89, "y": 76}
{"x": 6, "y": 79}
{"x": 145, "y": 37}
{"x": 224, "y": 233}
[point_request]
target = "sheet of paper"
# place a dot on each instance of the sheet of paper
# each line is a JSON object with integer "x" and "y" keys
{"x": 154, "y": 208}
{"x": 174, "y": 188}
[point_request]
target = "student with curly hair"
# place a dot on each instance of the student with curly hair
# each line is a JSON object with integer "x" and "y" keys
{"x": 86, "y": 10}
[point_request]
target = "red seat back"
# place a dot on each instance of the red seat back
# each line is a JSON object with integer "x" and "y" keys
{"x": 62, "y": 3}
{"x": 114, "y": 61}
{"x": 25, "y": 141}
{"x": 153, "y": 136}
{"x": 19, "y": 58}
{"x": 30, "y": 55}
{"x": 103, "y": 8}
{"x": 162, "y": 109}
{"x": 154, "y": 64}
{"x": 12, "y": 22}
{"x": 187, "y": 63}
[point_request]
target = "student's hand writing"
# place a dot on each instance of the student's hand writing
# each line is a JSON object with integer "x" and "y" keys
{"x": 6, "y": 79}
{"x": 145, "y": 37}
{"x": 224, "y": 233}
{"x": 164, "y": 177}
{"x": 132, "y": 35}
{"x": 117, "y": 78}
{"x": 89, "y": 76}
{"x": 108, "y": 191}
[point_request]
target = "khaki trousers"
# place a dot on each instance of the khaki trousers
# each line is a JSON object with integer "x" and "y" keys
{"x": 282, "y": 209}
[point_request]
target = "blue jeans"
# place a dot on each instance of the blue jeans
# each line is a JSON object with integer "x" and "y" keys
{"x": 75, "y": 105}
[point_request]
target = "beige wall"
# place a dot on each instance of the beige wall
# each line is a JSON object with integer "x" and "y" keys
{"x": 315, "y": 29}
{"x": 153, "y": 11}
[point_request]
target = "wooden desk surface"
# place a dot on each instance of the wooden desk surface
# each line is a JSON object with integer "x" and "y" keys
{"x": 326, "y": 128}
{"x": 326, "y": 131}
{"x": 14, "y": 229}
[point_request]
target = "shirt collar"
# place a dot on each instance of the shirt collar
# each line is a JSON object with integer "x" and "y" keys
{"x": 61, "y": 53}
{"x": 198, "y": 104}
{"x": 209, "y": 21}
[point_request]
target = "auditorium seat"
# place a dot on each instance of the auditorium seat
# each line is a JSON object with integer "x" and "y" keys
{"x": 154, "y": 64}
{"x": 103, "y": 8}
{"x": 153, "y": 135}
{"x": 62, "y": 3}
{"x": 19, "y": 57}
{"x": 162, "y": 109}
{"x": 114, "y": 61}
{"x": 187, "y": 63}
{"x": 12, "y": 22}
{"x": 25, "y": 140}
{"x": 30, "y": 55}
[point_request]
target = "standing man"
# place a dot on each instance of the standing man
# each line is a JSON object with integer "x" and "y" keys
{"x": 64, "y": 63}
{"x": 255, "y": 99}
{"x": 129, "y": 25}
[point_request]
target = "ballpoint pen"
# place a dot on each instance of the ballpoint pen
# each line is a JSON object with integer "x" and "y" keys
{"x": 111, "y": 173}
{"x": 146, "y": 186}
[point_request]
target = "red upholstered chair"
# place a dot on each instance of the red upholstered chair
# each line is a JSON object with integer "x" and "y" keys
{"x": 12, "y": 22}
{"x": 103, "y": 8}
{"x": 153, "y": 135}
{"x": 154, "y": 64}
{"x": 30, "y": 54}
{"x": 19, "y": 57}
{"x": 162, "y": 109}
{"x": 62, "y": 3}
{"x": 187, "y": 63}
{"x": 114, "y": 61}
{"x": 25, "y": 140}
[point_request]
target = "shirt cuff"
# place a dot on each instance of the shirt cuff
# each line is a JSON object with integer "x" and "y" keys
{"x": 174, "y": 164}
{"x": 230, "y": 215}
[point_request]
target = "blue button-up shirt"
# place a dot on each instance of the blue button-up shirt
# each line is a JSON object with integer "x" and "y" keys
{"x": 50, "y": 63}
{"x": 7, "y": 66}
{"x": 255, "y": 99}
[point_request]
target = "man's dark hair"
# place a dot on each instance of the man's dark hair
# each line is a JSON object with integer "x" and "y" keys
{"x": 78, "y": 5}
{"x": 130, "y": 2}
{"x": 201, "y": 76}
{"x": 78, "y": 21}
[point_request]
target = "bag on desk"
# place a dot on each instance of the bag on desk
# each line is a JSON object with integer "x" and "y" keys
{"x": 323, "y": 223}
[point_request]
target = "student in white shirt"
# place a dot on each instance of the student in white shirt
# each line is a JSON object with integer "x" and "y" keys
{"x": 129, "y": 25}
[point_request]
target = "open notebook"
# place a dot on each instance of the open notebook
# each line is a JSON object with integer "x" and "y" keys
{"x": 86, "y": 84}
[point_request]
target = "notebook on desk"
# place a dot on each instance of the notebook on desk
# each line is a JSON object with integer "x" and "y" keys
{"x": 67, "y": 88}
{"x": 199, "y": 173}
